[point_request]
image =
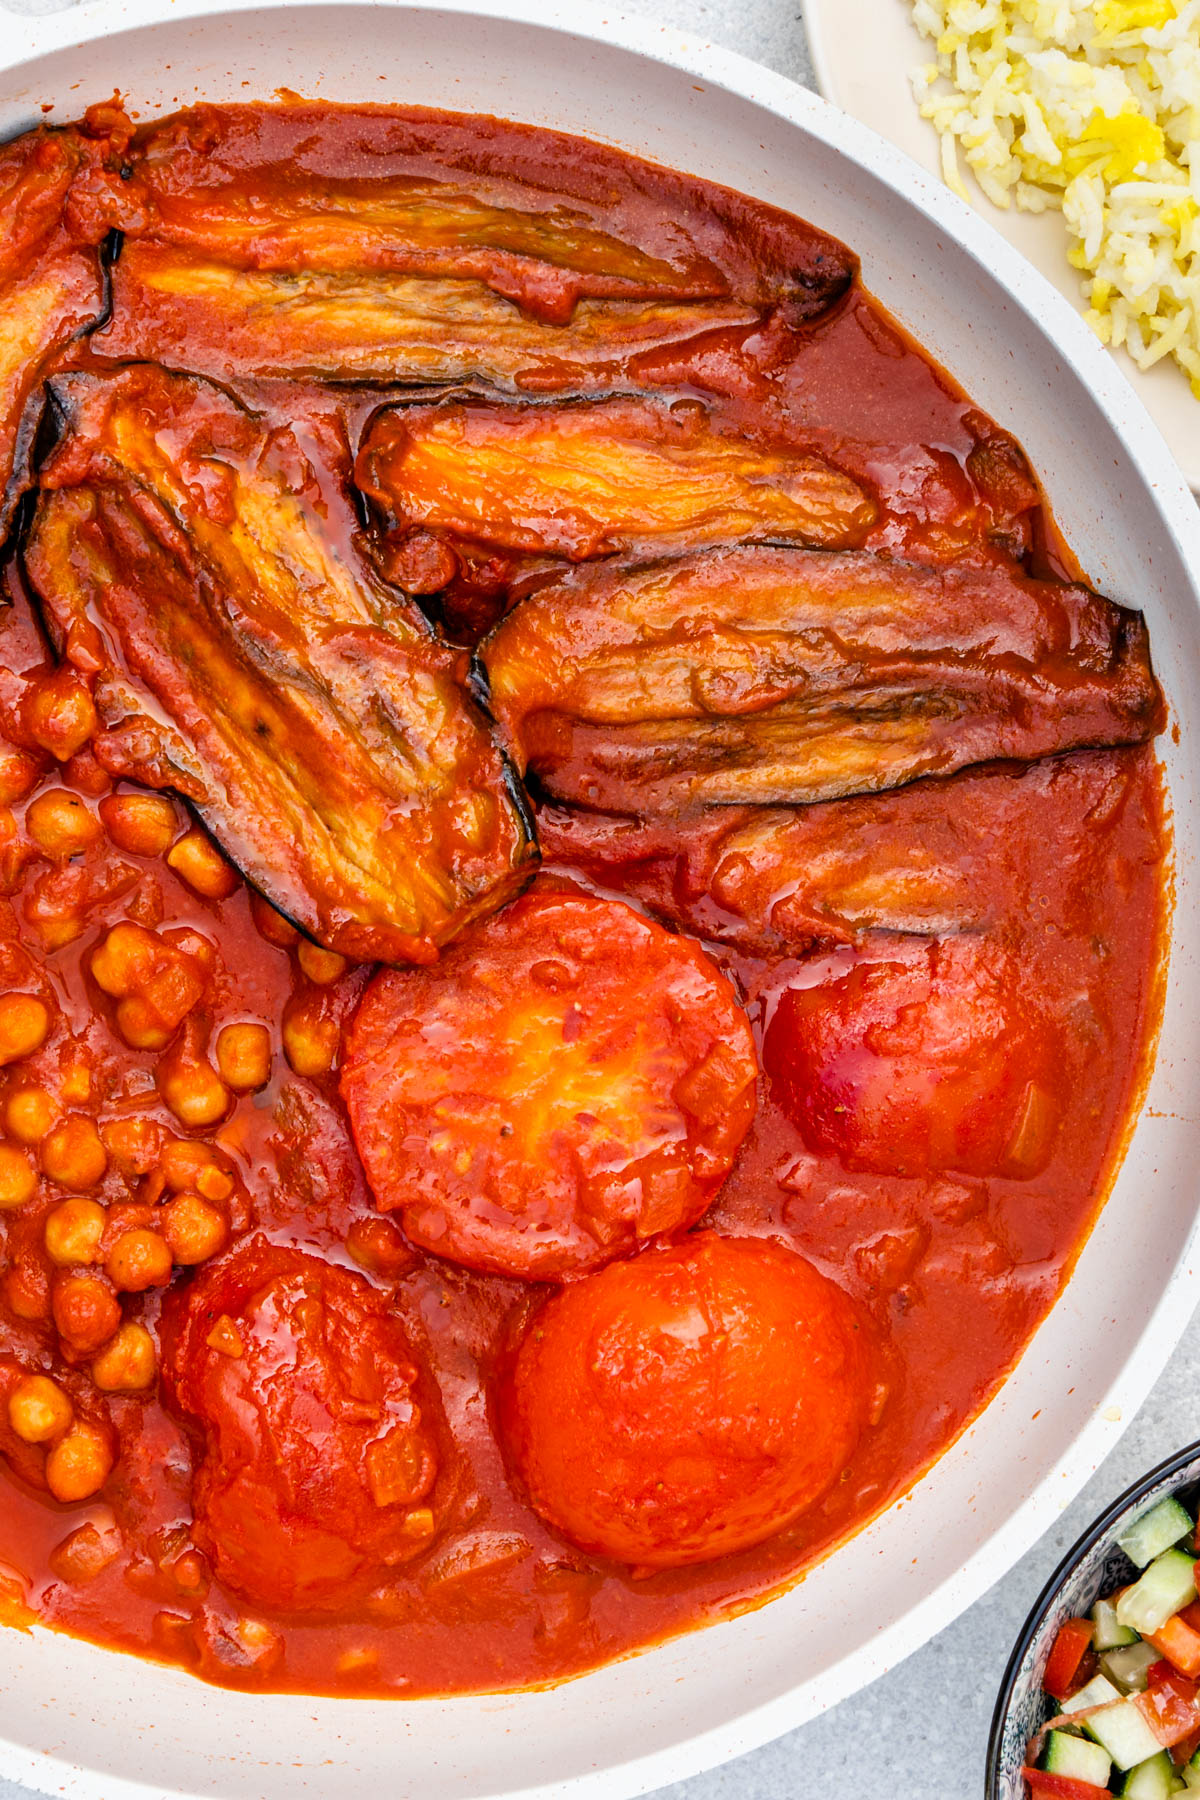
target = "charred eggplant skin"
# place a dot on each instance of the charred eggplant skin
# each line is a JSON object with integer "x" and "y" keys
{"x": 53, "y": 221}
{"x": 328, "y": 244}
{"x": 204, "y": 572}
{"x": 761, "y": 675}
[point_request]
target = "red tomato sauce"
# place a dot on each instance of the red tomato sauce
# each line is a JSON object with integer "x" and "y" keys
{"x": 954, "y": 1271}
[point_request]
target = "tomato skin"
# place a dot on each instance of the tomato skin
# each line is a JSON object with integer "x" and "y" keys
{"x": 318, "y": 1457}
{"x": 920, "y": 1063}
{"x": 688, "y": 1403}
{"x": 1044, "y": 1786}
{"x": 1170, "y": 1704}
{"x": 569, "y": 1081}
{"x": 1074, "y": 1640}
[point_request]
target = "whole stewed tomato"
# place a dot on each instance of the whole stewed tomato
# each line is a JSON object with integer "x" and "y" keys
{"x": 689, "y": 1402}
{"x": 318, "y": 1460}
{"x": 925, "y": 1060}
{"x": 570, "y": 1080}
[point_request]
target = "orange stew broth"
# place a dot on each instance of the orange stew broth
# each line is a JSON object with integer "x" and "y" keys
{"x": 955, "y": 1273}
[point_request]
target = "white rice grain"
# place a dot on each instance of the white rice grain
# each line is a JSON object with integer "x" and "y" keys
{"x": 1092, "y": 107}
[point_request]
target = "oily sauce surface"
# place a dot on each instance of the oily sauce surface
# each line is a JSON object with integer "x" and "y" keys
{"x": 953, "y": 1271}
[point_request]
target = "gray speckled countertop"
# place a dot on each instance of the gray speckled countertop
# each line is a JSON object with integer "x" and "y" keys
{"x": 920, "y": 1733}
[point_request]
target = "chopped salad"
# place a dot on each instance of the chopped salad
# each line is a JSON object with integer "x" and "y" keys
{"x": 1126, "y": 1679}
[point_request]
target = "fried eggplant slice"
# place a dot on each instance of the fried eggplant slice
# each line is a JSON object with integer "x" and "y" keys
{"x": 51, "y": 287}
{"x": 772, "y": 676}
{"x": 544, "y": 220}
{"x": 379, "y": 327}
{"x": 205, "y": 569}
{"x": 593, "y": 477}
{"x": 932, "y": 859}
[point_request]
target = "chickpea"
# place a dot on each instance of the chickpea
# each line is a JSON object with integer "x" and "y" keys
{"x": 321, "y": 966}
{"x": 244, "y": 1057}
{"x": 193, "y": 1229}
{"x": 194, "y": 1092}
{"x": 19, "y": 772}
{"x": 194, "y": 944}
{"x": 140, "y": 1026}
{"x": 39, "y": 1411}
{"x": 197, "y": 860}
{"x": 31, "y": 1112}
{"x": 73, "y": 1231}
{"x": 271, "y": 924}
{"x": 60, "y": 824}
{"x": 73, "y": 1154}
{"x": 18, "y": 1178}
{"x": 129, "y": 1363}
{"x": 139, "y": 1259}
{"x": 186, "y": 1164}
{"x": 24, "y": 1025}
{"x": 142, "y": 824}
{"x": 59, "y": 713}
{"x": 155, "y": 983}
{"x": 79, "y": 1464}
{"x": 123, "y": 960}
{"x": 86, "y": 1310}
{"x": 310, "y": 1040}
{"x": 134, "y": 1145}
{"x": 83, "y": 771}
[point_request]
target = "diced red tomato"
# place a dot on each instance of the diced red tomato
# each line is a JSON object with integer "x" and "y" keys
{"x": 1072, "y": 1644}
{"x": 1190, "y": 1614}
{"x": 1044, "y": 1786}
{"x": 1179, "y": 1642}
{"x": 1170, "y": 1704}
{"x": 1186, "y": 1748}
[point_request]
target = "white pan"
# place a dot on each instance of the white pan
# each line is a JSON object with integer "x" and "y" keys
{"x": 79, "y": 1721}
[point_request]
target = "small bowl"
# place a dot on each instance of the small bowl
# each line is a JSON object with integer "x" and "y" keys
{"x": 1092, "y": 1567}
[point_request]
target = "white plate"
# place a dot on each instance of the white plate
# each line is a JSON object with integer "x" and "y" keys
{"x": 864, "y": 52}
{"x": 89, "y": 1724}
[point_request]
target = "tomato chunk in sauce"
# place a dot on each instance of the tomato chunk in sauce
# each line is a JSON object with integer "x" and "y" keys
{"x": 315, "y": 1455}
{"x": 924, "y": 1063}
{"x": 688, "y": 1403}
{"x": 602, "y": 1080}
{"x": 618, "y": 1248}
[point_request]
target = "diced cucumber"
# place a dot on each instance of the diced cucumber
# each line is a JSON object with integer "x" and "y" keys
{"x": 1108, "y": 1632}
{"x": 1167, "y": 1586}
{"x": 1098, "y": 1692}
{"x": 1152, "y": 1780}
{"x": 1191, "y": 1774}
{"x": 1155, "y": 1532}
{"x": 1124, "y": 1734}
{"x": 1077, "y": 1757}
{"x": 1127, "y": 1667}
